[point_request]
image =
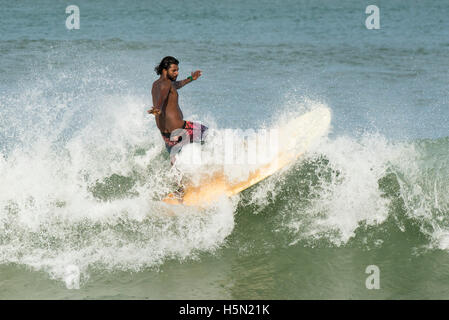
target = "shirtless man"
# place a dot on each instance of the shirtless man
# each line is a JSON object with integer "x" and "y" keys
{"x": 169, "y": 117}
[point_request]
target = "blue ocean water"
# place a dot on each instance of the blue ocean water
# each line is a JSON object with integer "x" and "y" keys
{"x": 82, "y": 164}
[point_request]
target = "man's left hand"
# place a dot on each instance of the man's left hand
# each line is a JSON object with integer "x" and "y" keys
{"x": 195, "y": 75}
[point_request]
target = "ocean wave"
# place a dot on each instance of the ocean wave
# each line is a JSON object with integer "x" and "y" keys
{"x": 91, "y": 201}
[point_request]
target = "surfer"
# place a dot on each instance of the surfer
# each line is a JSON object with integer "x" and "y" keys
{"x": 169, "y": 118}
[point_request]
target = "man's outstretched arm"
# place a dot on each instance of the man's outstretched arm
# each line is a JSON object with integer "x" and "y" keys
{"x": 194, "y": 75}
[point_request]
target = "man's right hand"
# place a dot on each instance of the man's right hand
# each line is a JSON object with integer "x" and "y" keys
{"x": 154, "y": 111}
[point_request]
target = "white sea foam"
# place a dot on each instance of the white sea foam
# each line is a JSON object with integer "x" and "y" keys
{"x": 352, "y": 193}
{"x": 50, "y": 219}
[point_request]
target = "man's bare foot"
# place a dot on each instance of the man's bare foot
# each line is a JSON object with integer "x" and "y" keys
{"x": 179, "y": 192}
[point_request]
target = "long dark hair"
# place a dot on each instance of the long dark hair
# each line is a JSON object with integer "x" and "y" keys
{"x": 165, "y": 64}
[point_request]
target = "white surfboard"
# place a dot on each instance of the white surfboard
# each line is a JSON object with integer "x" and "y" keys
{"x": 295, "y": 138}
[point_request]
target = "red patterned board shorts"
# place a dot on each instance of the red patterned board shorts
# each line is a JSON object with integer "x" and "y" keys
{"x": 190, "y": 132}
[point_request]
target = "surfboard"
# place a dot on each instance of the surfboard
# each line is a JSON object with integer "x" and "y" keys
{"x": 295, "y": 136}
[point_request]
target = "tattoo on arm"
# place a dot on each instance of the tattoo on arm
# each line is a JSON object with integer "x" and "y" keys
{"x": 182, "y": 83}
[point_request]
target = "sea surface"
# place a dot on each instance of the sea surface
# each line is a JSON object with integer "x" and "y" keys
{"x": 83, "y": 166}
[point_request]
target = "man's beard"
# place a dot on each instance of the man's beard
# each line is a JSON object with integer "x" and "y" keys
{"x": 172, "y": 78}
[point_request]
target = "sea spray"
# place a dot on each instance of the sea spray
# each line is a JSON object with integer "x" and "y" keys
{"x": 92, "y": 200}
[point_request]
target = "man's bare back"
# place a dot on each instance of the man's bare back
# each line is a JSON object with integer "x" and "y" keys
{"x": 170, "y": 116}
